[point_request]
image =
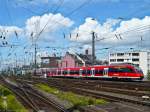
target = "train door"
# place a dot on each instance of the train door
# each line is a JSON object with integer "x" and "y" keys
{"x": 105, "y": 72}
{"x": 57, "y": 72}
{"x": 68, "y": 72}
{"x": 92, "y": 72}
{"x": 61, "y": 72}
{"x": 80, "y": 72}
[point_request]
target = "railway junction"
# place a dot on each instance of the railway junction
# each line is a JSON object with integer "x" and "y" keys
{"x": 116, "y": 96}
{"x": 74, "y": 56}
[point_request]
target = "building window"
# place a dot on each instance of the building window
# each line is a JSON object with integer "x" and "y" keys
{"x": 137, "y": 65}
{"x": 120, "y": 54}
{"x": 135, "y": 59}
{"x": 135, "y": 54}
{"x": 112, "y": 54}
{"x": 127, "y": 54}
{"x": 112, "y": 60}
{"x": 120, "y": 60}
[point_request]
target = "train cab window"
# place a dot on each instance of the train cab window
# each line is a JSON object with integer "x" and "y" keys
{"x": 139, "y": 71}
{"x": 129, "y": 70}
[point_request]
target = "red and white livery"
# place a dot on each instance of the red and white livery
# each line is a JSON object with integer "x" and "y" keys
{"x": 124, "y": 71}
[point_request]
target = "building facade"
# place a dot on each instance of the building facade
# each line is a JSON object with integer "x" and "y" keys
{"x": 139, "y": 58}
{"x": 70, "y": 60}
{"x": 50, "y": 62}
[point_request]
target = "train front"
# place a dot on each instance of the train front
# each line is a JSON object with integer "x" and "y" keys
{"x": 139, "y": 73}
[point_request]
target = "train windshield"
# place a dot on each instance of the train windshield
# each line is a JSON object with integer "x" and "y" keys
{"x": 138, "y": 70}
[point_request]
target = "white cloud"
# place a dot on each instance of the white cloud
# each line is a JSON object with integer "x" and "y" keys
{"x": 50, "y": 22}
{"x": 90, "y": 25}
{"x": 130, "y": 31}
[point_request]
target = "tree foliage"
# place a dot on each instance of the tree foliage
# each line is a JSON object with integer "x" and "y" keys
{"x": 148, "y": 75}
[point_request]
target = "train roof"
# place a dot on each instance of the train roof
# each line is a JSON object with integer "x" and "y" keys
{"x": 102, "y": 66}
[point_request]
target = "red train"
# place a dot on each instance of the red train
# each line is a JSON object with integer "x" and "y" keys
{"x": 124, "y": 71}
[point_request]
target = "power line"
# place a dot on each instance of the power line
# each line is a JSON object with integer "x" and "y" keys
{"x": 69, "y": 14}
{"x": 38, "y": 35}
{"x": 138, "y": 10}
{"x": 57, "y": 8}
{"x": 8, "y": 11}
{"x": 31, "y": 11}
{"x": 35, "y": 47}
{"x": 82, "y": 5}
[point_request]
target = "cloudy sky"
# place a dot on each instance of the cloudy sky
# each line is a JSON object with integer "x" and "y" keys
{"x": 59, "y": 25}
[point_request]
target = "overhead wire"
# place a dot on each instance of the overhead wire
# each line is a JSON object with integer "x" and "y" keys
{"x": 57, "y": 8}
{"x": 69, "y": 14}
{"x": 8, "y": 11}
{"x": 31, "y": 11}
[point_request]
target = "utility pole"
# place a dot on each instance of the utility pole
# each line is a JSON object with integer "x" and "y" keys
{"x": 93, "y": 48}
{"x": 16, "y": 63}
{"x": 35, "y": 61}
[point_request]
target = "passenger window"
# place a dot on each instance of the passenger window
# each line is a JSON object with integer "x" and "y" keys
{"x": 76, "y": 72}
{"x": 88, "y": 71}
{"x": 98, "y": 71}
{"x": 84, "y": 71}
{"x": 121, "y": 70}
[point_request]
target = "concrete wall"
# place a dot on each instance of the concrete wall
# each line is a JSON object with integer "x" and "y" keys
{"x": 143, "y": 62}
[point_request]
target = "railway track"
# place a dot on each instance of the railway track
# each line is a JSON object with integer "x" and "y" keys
{"x": 127, "y": 88}
{"x": 130, "y": 85}
{"x": 91, "y": 88}
{"x": 116, "y": 87}
{"x": 31, "y": 99}
{"x": 83, "y": 87}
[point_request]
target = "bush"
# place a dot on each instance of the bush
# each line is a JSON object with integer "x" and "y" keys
{"x": 12, "y": 102}
{"x": 75, "y": 99}
{"x": 148, "y": 75}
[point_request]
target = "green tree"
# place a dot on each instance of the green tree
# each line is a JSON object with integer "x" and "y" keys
{"x": 148, "y": 75}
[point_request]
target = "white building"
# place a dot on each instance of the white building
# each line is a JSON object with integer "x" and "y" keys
{"x": 139, "y": 58}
